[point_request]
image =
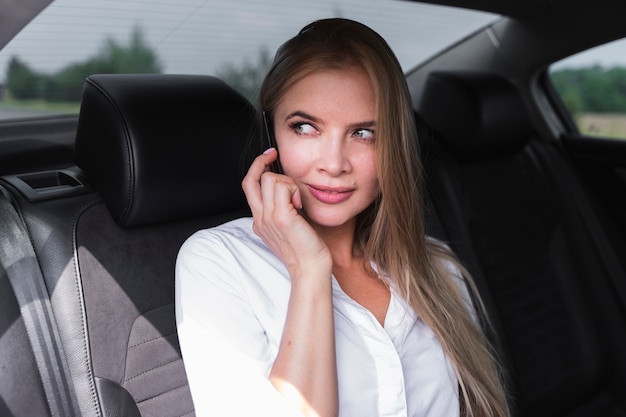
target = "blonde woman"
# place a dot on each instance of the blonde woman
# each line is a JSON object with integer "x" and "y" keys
{"x": 331, "y": 300}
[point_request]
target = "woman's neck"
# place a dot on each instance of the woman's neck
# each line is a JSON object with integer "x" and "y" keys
{"x": 352, "y": 274}
{"x": 341, "y": 243}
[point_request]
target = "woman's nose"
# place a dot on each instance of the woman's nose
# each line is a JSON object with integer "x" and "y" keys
{"x": 333, "y": 157}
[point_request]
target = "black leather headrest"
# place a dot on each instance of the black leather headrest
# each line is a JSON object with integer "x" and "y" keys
{"x": 164, "y": 147}
{"x": 476, "y": 115}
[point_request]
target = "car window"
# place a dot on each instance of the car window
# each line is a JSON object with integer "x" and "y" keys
{"x": 43, "y": 67}
{"x": 592, "y": 86}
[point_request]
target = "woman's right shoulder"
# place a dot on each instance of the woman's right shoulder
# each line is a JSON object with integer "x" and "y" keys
{"x": 228, "y": 247}
{"x": 237, "y": 227}
{"x": 233, "y": 258}
{"x": 235, "y": 233}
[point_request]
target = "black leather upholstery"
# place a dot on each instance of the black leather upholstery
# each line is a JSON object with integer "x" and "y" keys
{"x": 502, "y": 201}
{"x": 161, "y": 148}
{"x": 467, "y": 108}
{"x": 166, "y": 154}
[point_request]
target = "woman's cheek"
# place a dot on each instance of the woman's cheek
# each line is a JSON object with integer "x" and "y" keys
{"x": 294, "y": 160}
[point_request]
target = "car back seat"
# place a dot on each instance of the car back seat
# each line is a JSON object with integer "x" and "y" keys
{"x": 159, "y": 150}
{"x": 506, "y": 201}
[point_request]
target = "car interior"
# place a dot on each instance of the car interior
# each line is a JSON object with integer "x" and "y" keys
{"x": 93, "y": 210}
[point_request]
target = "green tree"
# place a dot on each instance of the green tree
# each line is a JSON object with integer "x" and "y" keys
{"x": 247, "y": 77}
{"x": 135, "y": 58}
{"x": 592, "y": 89}
{"x": 595, "y": 90}
{"x": 113, "y": 58}
{"x": 572, "y": 102}
{"x": 66, "y": 85}
{"x": 21, "y": 81}
{"x": 617, "y": 77}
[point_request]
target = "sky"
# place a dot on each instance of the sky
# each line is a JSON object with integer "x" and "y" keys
{"x": 609, "y": 55}
{"x": 198, "y": 36}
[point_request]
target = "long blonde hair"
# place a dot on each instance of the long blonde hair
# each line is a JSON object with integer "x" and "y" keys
{"x": 391, "y": 231}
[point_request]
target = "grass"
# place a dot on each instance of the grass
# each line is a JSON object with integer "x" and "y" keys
{"x": 607, "y": 125}
{"x": 41, "y": 106}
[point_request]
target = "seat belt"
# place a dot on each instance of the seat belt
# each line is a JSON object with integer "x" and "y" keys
{"x": 18, "y": 259}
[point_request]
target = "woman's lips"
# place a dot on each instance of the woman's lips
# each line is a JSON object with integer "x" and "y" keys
{"x": 330, "y": 195}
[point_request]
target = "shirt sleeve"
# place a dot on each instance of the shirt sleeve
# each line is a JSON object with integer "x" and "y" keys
{"x": 224, "y": 346}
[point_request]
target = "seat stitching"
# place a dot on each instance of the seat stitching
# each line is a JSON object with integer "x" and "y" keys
{"x": 163, "y": 393}
{"x": 151, "y": 340}
{"x": 188, "y": 413}
{"x": 152, "y": 369}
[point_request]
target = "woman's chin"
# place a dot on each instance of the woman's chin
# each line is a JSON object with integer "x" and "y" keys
{"x": 318, "y": 218}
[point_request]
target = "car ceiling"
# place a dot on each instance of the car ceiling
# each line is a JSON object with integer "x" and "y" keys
{"x": 14, "y": 15}
{"x": 533, "y": 34}
{"x": 580, "y": 23}
{"x": 534, "y": 9}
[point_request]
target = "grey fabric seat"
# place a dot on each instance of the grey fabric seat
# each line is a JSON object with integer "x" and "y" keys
{"x": 165, "y": 155}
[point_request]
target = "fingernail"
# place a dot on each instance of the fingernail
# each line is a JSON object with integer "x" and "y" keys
{"x": 268, "y": 150}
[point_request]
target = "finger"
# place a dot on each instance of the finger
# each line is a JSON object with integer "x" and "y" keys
{"x": 289, "y": 196}
{"x": 251, "y": 182}
{"x": 268, "y": 185}
{"x": 296, "y": 199}
{"x": 286, "y": 200}
{"x": 268, "y": 157}
{"x": 260, "y": 165}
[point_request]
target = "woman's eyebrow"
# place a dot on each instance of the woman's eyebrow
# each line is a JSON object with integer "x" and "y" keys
{"x": 368, "y": 124}
{"x": 298, "y": 113}
{"x": 302, "y": 114}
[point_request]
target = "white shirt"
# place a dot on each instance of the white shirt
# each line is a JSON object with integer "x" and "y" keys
{"x": 231, "y": 303}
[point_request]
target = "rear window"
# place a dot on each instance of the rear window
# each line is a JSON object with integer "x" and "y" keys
{"x": 43, "y": 68}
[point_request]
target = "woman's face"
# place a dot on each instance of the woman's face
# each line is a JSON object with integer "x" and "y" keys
{"x": 325, "y": 131}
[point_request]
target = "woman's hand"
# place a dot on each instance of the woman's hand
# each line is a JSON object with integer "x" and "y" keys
{"x": 275, "y": 202}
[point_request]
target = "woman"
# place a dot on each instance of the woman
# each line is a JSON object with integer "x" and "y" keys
{"x": 331, "y": 300}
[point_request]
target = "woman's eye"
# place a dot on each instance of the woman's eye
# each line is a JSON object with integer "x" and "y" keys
{"x": 303, "y": 129}
{"x": 365, "y": 135}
